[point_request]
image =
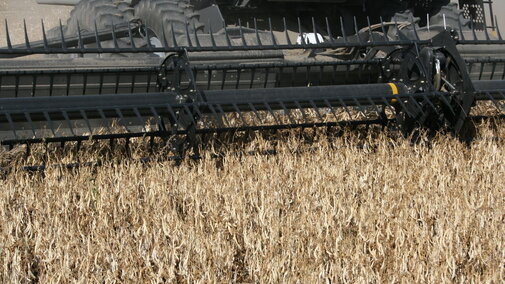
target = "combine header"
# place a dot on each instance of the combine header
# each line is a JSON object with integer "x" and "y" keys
{"x": 173, "y": 69}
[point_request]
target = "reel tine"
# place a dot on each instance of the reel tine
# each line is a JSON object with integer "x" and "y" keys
{"x": 287, "y": 112}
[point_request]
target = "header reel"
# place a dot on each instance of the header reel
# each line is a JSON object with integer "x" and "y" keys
{"x": 243, "y": 79}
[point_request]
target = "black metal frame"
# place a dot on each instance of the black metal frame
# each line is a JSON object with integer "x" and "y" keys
{"x": 175, "y": 102}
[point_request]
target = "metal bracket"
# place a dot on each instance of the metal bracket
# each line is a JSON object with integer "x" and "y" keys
{"x": 176, "y": 76}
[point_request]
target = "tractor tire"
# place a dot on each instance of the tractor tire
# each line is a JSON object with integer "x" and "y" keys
{"x": 89, "y": 15}
{"x": 454, "y": 18}
{"x": 161, "y": 16}
{"x": 104, "y": 13}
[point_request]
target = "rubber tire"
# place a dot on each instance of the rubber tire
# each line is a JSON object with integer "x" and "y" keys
{"x": 453, "y": 17}
{"x": 161, "y": 15}
{"x": 104, "y": 13}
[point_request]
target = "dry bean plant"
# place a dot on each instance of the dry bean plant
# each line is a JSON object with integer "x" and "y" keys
{"x": 357, "y": 208}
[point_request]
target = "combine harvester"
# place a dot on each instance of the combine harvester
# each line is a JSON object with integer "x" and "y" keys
{"x": 180, "y": 69}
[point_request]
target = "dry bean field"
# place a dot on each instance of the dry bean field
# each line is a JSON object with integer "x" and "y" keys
{"x": 357, "y": 208}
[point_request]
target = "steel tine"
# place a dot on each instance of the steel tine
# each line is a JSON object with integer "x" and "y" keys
{"x": 7, "y": 35}
{"x": 226, "y": 36}
{"x": 199, "y": 113}
{"x": 328, "y": 30}
{"x": 174, "y": 117}
{"x": 502, "y": 95}
{"x": 428, "y": 24}
{"x": 197, "y": 40}
{"x": 288, "y": 40}
{"x": 274, "y": 41}
{"x": 267, "y": 74}
{"x": 356, "y": 30}
{"x": 79, "y": 34}
{"x": 223, "y": 81}
{"x": 44, "y": 37}
{"x": 98, "y": 43}
{"x": 190, "y": 113}
{"x": 383, "y": 27}
{"x": 370, "y": 30}
{"x": 34, "y": 85}
{"x": 211, "y": 33}
{"x": 386, "y": 102}
{"x": 302, "y": 111}
{"x": 148, "y": 42}
{"x": 173, "y": 34}
{"x": 447, "y": 103}
{"x": 498, "y": 32}
{"x": 267, "y": 105}
{"x": 287, "y": 112}
{"x": 27, "y": 40}
{"x": 157, "y": 118}
{"x": 104, "y": 120}
{"x": 29, "y": 119}
{"x": 503, "y": 73}
{"x": 257, "y": 32}
{"x": 344, "y": 105}
{"x": 11, "y": 124}
{"x": 85, "y": 117}
{"x": 493, "y": 70}
{"x": 255, "y": 111}
{"x": 427, "y": 99}
{"x": 217, "y": 116}
{"x": 121, "y": 119}
{"x": 404, "y": 107}
{"x": 239, "y": 74}
{"x": 237, "y": 110}
{"x": 114, "y": 37}
{"x": 496, "y": 104}
{"x": 68, "y": 85}
{"x": 342, "y": 27}
{"x": 190, "y": 44}
{"x": 50, "y": 122}
{"x": 397, "y": 28}
{"x": 253, "y": 74}
{"x": 417, "y": 105}
{"x": 330, "y": 107}
{"x": 244, "y": 43}
{"x": 209, "y": 78}
{"x": 374, "y": 106}
{"x": 141, "y": 120}
{"x": 314, "y": 30}
{"x": 223, "y": 114}
{"x": 361, "y": 108}
{"x": 316, "y": 109}
{"x": 17, "y": 86}
{"x": 472, "y": 24}
{"x": 300, "y": 31}
{"x": 132, "y": 85}
{"x": 67, "y": 120}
